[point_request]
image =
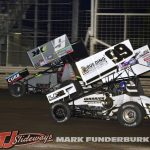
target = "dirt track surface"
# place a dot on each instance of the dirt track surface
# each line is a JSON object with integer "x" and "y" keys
{"x": 30, "y": 114}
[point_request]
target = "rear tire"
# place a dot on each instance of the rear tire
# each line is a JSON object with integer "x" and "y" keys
{"x": 130, "y": 115}
{"x": 17, "y": 89}
{"x": 60, "y": 112}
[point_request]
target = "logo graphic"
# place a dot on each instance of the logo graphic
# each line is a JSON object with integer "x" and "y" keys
{"x": 10, "y": 139}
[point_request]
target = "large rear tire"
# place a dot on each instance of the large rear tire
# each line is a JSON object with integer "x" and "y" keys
{"x": 60, "y": 112}
{"x": 17, "y": 89}
{"x": 130, "y": 115}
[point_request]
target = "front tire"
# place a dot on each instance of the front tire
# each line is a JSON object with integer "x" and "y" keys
{"x": 130, "y": 115}
{"x": 17, "y": 89}
{"x": 60, "y": 112}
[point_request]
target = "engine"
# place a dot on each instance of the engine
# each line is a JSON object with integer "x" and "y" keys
{"x": 89, "y": 111}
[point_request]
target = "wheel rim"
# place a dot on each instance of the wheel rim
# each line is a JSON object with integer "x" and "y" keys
{"x": 16, "y": 90}
{"x": 60, "y": 112}
{"x": 129, "y": 115}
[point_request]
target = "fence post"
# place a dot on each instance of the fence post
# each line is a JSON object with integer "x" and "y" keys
{"x": 35, "y": 23}
{"x": 75, "y": 20}
{"x": 49, "y": 20}
{"x": 125, "y": 27}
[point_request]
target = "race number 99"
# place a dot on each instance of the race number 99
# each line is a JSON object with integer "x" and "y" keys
{"x": 119, "y": 53}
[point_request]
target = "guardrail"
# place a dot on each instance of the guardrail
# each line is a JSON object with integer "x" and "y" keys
{"x": 6, "y": 71}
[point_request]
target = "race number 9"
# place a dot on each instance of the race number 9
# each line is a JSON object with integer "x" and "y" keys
{"x": 59, "y": 43}
{"x": 119, "y": 53}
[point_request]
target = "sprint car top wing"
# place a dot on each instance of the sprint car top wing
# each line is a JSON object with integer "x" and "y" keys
{"x": 104, "y": 63}
{"x": 50, "y": 51}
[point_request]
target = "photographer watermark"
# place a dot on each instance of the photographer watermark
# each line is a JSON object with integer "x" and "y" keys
{"x": 14, "y": 138}
{"x": 103, "y": 139}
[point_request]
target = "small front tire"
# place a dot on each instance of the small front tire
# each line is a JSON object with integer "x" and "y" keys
{"x": 60, "y": 112}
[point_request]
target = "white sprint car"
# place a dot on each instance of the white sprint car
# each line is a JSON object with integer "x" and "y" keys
{"x": 106, "y": 87}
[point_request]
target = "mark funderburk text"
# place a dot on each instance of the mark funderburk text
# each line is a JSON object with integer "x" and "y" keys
{"x": 103, "y": 139}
